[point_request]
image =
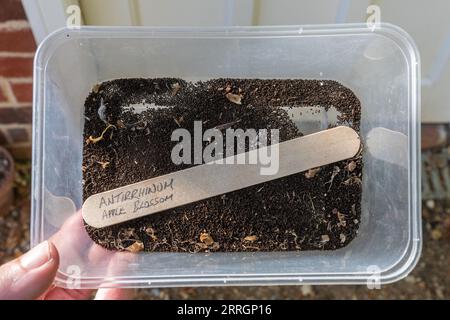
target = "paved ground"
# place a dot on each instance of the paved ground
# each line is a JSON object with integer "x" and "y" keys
{"x": 430, "y": 279}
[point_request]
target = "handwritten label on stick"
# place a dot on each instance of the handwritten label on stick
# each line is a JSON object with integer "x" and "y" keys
{"x": 204, "y": 181}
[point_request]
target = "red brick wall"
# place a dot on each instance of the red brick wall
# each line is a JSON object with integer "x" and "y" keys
{"x": 17, "y": 47}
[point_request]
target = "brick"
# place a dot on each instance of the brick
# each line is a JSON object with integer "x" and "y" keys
{"x": 3, "y": 139}
{"x": 21, "y": 40}
{"x": 3, "y": 97}
{"x": 18, "y": 135}
{"x": 23, "y": 91}
{"x": 12, "y": 114}
{"x": 433, "y": 136}
{"x": 11, "y": 10}
{"x": 16, "y": 67}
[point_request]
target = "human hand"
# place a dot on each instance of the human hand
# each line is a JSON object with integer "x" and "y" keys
{"x": 31, "y": 276}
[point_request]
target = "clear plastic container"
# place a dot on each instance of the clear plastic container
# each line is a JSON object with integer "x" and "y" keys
{"x": 381, "y": 66}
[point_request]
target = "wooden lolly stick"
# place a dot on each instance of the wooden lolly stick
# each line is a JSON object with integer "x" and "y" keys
{"x": 208, "y": 180}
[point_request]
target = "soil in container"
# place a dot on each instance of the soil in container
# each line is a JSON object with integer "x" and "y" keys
{"x": 127, "y": 133}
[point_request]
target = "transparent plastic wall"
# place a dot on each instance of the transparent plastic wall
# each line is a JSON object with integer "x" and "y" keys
{"x": 381, "y": 66}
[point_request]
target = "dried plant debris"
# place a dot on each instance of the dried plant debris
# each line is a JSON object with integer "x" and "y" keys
{"x": 120, "y": 124}
{"x": 178, "y": 121}
{"x": 104, "y": 164}
{"x": 206, "y": 238}
{"x": 136, "y": 247}
{"x": 151, "y": 233}
{"x": 251, "y": 238}
{"x": 319, "y": 209}
{"x": 207, "y": 243}
{"x": 175, "y": 88}
{"x": 96, "y": 88}
{"x": 312, "y": 172}
{"x": 235, "y": 98}
{"x": 351, "y": 166}
{"x": 354, "y": 180}
{"x": 325, "y": 238}
{"x": 92, "y": 139}
{"x": 341, "y": 218}
{"x": 102, "y": 111}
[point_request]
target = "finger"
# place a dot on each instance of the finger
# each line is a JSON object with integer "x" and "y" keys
{"x": 30, "y": 275}
{"x": 114, "y": 294}
{"x": 115, "y": 263}
{"x": 72, "y": 237}
{"x": 68, "y": 294}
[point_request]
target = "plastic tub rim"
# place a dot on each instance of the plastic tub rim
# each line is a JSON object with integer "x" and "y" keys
{"x": 396, "y": 272}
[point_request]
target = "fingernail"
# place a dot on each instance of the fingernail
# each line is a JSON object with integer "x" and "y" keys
{"x": 36, "y": 257}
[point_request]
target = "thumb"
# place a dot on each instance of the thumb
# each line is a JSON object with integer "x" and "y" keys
{"x": 30, "y": 275}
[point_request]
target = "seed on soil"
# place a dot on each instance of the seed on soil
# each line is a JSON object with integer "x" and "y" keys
{"x": 325, "y": 238}
{"x": 342, "y": 237}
